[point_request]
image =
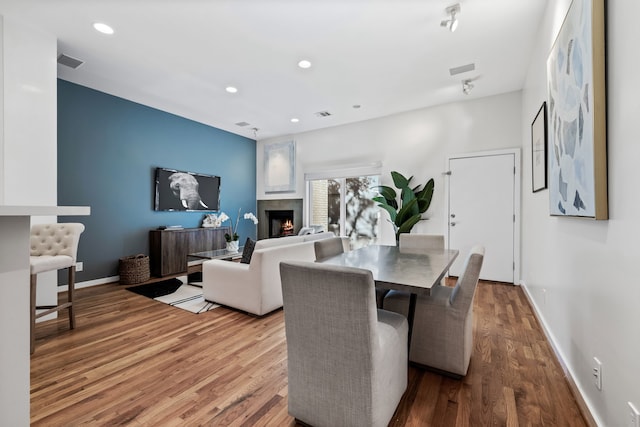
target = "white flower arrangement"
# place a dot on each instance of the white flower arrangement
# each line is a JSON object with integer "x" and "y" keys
{"x": 215, "y": 221}
{"x": 252, "y": 217}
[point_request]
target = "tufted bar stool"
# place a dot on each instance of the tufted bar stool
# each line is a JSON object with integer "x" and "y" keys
{"x": 53, "y": 247}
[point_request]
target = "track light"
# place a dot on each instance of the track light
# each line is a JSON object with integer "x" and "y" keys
{"x": 452, "y": 22}
{"x": 467, "y": 86}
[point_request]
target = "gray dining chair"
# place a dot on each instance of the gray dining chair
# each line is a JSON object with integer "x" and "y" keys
{"x": 331, "y": 247}
{"x": 328, "y": 247}
{"x": 421, "y": 241}
{"x": 53, "y": 247}
{"x": 442, "y": 336}
{"x": 347, "y": 361}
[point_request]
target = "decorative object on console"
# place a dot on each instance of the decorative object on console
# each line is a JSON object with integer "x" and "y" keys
{"x": 413, "y": 202}
{"x": 213, "y": 220}
{"x": 280, "y": 167}
{"x": 576, "y": 83}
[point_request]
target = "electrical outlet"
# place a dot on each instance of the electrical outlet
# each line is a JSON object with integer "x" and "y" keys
{"x": 597, "y": 373}
{"x": 634, "y": 416}
{"x": 79, "y": 266}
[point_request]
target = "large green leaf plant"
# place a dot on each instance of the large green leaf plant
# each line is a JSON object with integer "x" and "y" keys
{"x": 406, "y": 210}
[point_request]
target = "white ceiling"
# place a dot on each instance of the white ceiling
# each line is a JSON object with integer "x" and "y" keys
{"x": 388, "y": 56}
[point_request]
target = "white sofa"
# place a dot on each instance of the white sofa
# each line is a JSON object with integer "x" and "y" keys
{"x": 255, "y": 287}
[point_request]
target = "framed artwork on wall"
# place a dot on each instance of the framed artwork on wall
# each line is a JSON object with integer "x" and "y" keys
{"x": 539, "y": 150}
{"x": 577, "y": 143}
{"x": 280, "y": 167}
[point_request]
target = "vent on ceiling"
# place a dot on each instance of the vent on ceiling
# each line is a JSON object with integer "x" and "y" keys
{"x": 462, "y": 69}
{"x": 323, "y": 114}
{"x": 242, "y": 124}
{"x": 69, "y": 61}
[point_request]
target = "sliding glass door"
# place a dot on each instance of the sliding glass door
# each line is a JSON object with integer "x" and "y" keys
{"x": 344, "y": 207}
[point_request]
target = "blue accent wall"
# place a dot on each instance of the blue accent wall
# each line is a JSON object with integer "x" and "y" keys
{"x": 108, "y": 149}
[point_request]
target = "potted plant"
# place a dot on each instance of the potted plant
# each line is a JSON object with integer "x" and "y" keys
{"x": 406, "y": 210}
{"x": 232, "y": 238}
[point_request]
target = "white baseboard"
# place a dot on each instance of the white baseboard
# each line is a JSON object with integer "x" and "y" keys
{"x": 583, "y": 403}
{"x": 89, "y": 283}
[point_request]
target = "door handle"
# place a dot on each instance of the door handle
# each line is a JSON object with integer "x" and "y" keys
{"x": 453, "y": 224}
{"x": 453, "y": 215}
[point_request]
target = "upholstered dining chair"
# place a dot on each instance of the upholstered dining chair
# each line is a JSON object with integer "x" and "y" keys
{"x": 328, "y": 247}
{"x": 442, "y": 336}
{"x": 53, "y": 247}
{"x": 347, "y": 361}
{"x": 336, "y": 246}
{"x": 418, "y": 241}
{"x": 422, "y": 241}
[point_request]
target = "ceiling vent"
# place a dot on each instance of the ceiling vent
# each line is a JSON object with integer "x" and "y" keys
{"x": 69, "y": 61}
{"x": 242, "y": 124}
{"x": 462, "y": 69}
{"x": 323, "y": 114}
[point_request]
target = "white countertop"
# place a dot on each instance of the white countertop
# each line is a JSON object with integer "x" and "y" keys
{"x": 9, "y": 210}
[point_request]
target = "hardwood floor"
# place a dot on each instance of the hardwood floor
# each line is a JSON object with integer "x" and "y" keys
{"x": 134, "y": 361}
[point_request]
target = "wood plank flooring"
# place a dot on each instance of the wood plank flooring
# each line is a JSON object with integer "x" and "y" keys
{"x": 137, "y": 362}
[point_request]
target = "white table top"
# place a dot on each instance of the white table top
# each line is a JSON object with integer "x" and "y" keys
{"x": 410, "y": 270}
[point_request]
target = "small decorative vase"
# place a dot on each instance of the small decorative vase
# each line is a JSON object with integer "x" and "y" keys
{"x": 232, "y": 246}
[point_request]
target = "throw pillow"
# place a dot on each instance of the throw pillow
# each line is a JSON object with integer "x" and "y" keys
{"x": 249, "y": 245}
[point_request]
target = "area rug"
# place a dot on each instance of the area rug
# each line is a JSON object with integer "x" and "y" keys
{"x": 177, "y": 293}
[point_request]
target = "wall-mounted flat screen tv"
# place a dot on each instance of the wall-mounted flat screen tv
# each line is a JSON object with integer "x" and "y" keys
{"x": 186, "y": 191}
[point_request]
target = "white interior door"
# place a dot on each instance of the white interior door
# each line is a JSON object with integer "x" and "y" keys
{"x": 482, "y": 210}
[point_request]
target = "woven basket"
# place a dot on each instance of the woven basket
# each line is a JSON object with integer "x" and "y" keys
{"x": 134, "y": 269}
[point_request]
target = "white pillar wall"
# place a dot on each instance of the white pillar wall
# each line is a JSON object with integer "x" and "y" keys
{"x": 28, "y": 176}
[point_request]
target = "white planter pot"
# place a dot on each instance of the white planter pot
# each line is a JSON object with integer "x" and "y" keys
{"x": 232, "y": 246}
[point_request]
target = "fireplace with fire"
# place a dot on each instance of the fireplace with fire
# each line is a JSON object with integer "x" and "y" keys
{"x": 279, "y": 217}
{"x": 280, "y": 223}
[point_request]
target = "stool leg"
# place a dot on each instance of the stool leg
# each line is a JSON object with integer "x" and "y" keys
{"x": 34, "y": 281}
{"x": 72, "y": 280}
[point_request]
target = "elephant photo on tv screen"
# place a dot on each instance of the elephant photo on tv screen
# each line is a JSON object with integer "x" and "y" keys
{"x": 185, "y": 191}
{"x": 185, "y": 187}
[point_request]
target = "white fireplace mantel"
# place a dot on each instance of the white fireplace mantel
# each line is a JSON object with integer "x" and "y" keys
{"x": 15, "y": 226}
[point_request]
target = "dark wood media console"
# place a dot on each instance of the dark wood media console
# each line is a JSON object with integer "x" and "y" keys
{"x": 169, "y": 248}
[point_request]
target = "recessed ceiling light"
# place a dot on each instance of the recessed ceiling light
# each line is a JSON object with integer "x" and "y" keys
{"x": 103, "y": 28}
{"x": 231, "y": 89}
{"x": 295, "y": 120}
{"x": 304, "y": 64}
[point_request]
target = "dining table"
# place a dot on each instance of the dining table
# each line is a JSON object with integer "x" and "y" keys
{"x": 410, "y": 270}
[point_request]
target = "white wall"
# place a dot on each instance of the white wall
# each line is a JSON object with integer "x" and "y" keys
{"x": 413, "y": 143}
{"x": 28, "y": 176}
{"x": 579, "y": 272}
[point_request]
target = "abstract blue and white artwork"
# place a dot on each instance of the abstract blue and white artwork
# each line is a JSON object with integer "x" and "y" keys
{"x": 571, "y": 156}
